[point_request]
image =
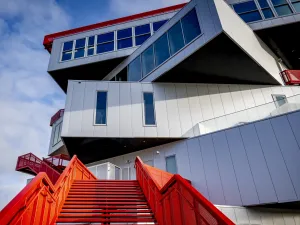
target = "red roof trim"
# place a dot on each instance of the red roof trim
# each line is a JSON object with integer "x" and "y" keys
{"x": 48, "y": 39}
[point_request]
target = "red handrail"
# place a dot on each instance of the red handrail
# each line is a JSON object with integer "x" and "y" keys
{"x": 291, "y": 77}
{"x": 177, "y": 202}
{"x": 40, "y": 201}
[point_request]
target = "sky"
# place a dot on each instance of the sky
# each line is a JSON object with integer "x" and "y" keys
{"x": 28, "y": 95}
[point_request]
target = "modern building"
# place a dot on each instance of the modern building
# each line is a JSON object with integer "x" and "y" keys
{"x": 207, "y": 89}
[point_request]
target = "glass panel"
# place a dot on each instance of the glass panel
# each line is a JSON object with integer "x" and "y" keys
{"x": 122, "y": 76}
{"x": 66, "y": 56}
{"x": 68, "y": 46}
{"x": 107, "y": 47}
{"x": 91, "y": 40}
{"x": 124, "y": 33}
{"x": 175, "y": 38}
{"x": 263, "y": 3}
{"x": 268, "y": 13}
{"x": 157, "y": 25}
{"x": 101, "y": 108}
{"x": 279, "y": 100}
{"x": 90, "y": 51}
{"x": 278, "y": 2}
{"x": 283, "y": 10}
{"x": 125, "y": 43}
{"x": 190, "y": 26}
{"x": 134, "y": 70}
{"x": 149, "y": 109}
{"x": 147, "y": 60}
{"x": 105, "y": 37}
{"x": 250, "y": 17}
{"x": 161, "y": 50}
{"x": 80, "y": 43}
{"x": 171, "y": 164}
{"x": 244, "y": 7}
{"x": 144, "y": 29}
{"x": 297, "y": 6}
{"x": 79, "y": 53}
{"x": 141, "y": 39}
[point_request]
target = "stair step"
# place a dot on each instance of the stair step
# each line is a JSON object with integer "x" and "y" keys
{"x": 80, "y": 206}
{"x": 105, "y": 203}
{"x": 103, "y": 220}
{"x": 106, "y": 211}
{"x": 104, "y": 186}
{"x": 104, "y": 193}
{"x": 106, "y": 181}
{"x": 105, "y": 215}
{"x": 104, "y": 200}
{"x": 107, "y": 196}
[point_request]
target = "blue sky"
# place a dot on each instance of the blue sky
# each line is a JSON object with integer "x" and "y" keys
{"x": 28, "y": 95}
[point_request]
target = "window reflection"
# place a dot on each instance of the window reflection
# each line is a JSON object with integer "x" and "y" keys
{"x": 147, "y": 60}
{"x": 175, "y": 38}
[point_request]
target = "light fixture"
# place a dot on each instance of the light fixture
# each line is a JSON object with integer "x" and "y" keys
{"x": 157, "y": 152}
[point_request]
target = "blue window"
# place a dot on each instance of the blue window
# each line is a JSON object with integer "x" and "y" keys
{"x": 267, "y": 13}
{"x": 105, "y": 42}
{"x": 68, "y": 46}
{"x": 142, "y": 33}
{"x": 250, "y": 17}
{"x": 66, "y": 56}
{"x": 190, "y": 26}
{"x": 149, "y": 113}
{"x": 148, "y": 60}
{"x": 91, "y": 45}
{"x": 135, "y": 70}
{"x": 101, "y": 108}
{"x": 161, "y": 49}
{"x": 175, "y": 38}
{"x": 79, "y": 48}
{"x": 157, "y": 25}
{"x": 67, "y": 51}
{"x": 296, "y": 5}
{"x": 171, "y": 165}
{"x": 282, "y": 8}
{"x": 263, "y": 3}
{"x": 124, "y": 38}
{"x": 80, "y": 43}
{"x": 247, "y": 11}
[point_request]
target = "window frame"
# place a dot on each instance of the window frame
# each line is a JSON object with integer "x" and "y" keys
{"x": 266, "y": 8}
{"x": 72, "y": 51}
{"x": 59, "y": 126}
{"x": 132, "y": 38}
{"x": 95, "y": 108}
{"x": 106, "y": 42}
{"x": 144, "y": 113}
{"x": 276, "y": 101}
{"x": 168, "y": 156}
{"x": 91, "y": 46}
{"x": 84, "y": 48}
{"x": 258, "y": 9}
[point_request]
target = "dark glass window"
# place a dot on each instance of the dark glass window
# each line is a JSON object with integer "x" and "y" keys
{"x": 66, "y": 56}
{"x": 124, "y": 33}
{"x": 135, "y": 70}
{"x": 297, "y": 6}
{"x": 102, "y": 38}
{"x": 263, "y": 3}
{"x": 106, "y": 47}
{"x": 149, "y": 113}
{"x": 90, "y": 51}
{"x": 190, "y": 26}
{"x": 175, "y": 38}
{"x": 91, "y": 41}
{"x": 147, "y": 60}
{"x": 142, "y": 33}
{"x": 171, "y": 165}
{"x": 157, "y": 25}
{"x": 80, "y": 43}
{"x": 283, "y": 10}
{"x": 67, "y": 51}
{"x": 79, "y": 48}
{"x": 122, "y": 76}
{"x": 91, "y": 44}
{"x": 105, "y": 43}
{"x": 141, "y": 39}
{"x": 125, "y": 43}
{"x": 244, "y": 7}
{"x": 79, "y": 53}
{"x": 124, "y": 38}
{"x": 101, "y": 108}
{"x": 268, "y": 13}
{"x": 279, "y": 2}
{"x": 250, "y": 17}
{"x": 68, "y": 46}
{"x": 161, "y": 49}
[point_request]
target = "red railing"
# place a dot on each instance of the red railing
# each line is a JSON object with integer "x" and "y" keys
{"x": 177, "y": 202}
{"x": 56, "y": 116}
{"x": 291, "y": 77}
{"x": 40, "y": 202}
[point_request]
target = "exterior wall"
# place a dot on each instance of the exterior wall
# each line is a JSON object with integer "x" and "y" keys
{"x": 55, "y": 64}
{"x": 55, "y": 146}
{"x": 178, "y": 107}
{"x": 252, "y": 164}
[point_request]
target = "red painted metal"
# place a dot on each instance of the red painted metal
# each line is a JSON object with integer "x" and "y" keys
{"x": 57, "y": 116}
{"x": 40, "y": 202}
{"x": 291, "y": 77}
{"x": 177, "y": 202}
{"x": 48, "y": 39}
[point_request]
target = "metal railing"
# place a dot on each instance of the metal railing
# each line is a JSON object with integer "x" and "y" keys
{"x": 260, "y": 112}
{"x": 56, "y": 116}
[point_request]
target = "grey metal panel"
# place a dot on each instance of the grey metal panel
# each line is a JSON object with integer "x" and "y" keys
{"x": 198, "y": 177}
{"x": 182, "y": 158}
{"x": 260, "y": 172}
{"x": 88, "y": 109}
{"x": 294, "y": 119}
{"x": 113, "y": 110}
{"x": 125, "y": 110}
{"x": 277, "y": 167}
{"x": 211, "y": 169}
{"x": 289, "y": 148}
{"x": 241, "y": 166}
{"x": 136, "y": 110}
{"x": 228, "y": 178}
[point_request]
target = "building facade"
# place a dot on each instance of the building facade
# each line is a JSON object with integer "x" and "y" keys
{"x": 196, "y": 89}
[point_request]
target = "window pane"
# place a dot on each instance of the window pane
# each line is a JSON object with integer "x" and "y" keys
{"x": 105, "y": 37}
{"x": 161, "y": 50}
{"x": 101, "y": 108}
{"x": 107, "y": 47}
{"x": 244, "y": 7}
{"x": 190, "y": 26}
{"x": 171, "y": 164}
{"x": 79, "y": 53}
{"x": 297, "y": 6}
{"x": 268, "y": 13}
{"x": 149, "y": 109}
{"x": 157, "y": 25}
{"x": 91, "y": 40}
{"x": 278, "y": 2}
{"x": 141, "y": 39}
{"x": 263, "y": 3}
{"x": 144, "y": 29}
{"x": 250, "y": 17}
{"x": 66, "y": 56}
{"x": 80, "y": 43}
{"x": 124, "y": 33}
{"x": 125, "y": 43}
{"x": 175, "y": 38}
{"x": 279, "y": 100}
{"x": 283, "y": 10}
{"x": 134, "y": 70}
{"x": 147, "y": 60}
{"x": 90, "y": 51}
{"x": 68, "y": 46}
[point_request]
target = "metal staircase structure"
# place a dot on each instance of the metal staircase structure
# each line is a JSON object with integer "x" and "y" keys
{"x": 78, "y": 197}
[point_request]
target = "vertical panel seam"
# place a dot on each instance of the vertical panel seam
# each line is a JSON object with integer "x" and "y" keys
{"x": 83, "y": 100}
{"x": 186, "y": 145}
{"x": 166, "y": 107}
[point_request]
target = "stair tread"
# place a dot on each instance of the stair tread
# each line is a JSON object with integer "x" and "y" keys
{"x": 106, "y": 211}
{"x": 99, "y": 220}
{"x": 105, "y": 203}
{"x": 105, "y": 215}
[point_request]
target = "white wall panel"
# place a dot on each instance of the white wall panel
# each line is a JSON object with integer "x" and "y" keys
{"x": 113, "y": 110}
{"x": 137, "y": 110}
{"x": 89, "y": 105}
{"x": 258, "y": 96}
{"x": 205, "y": 103}
{"x": 247, "y": 96}
{"x": 125, "y": 111}
{"x": 215, "y": 98}
{"x": 226, "y": 98}
{"x": 67, "y": 112}
{"x": 237, "y": 98}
